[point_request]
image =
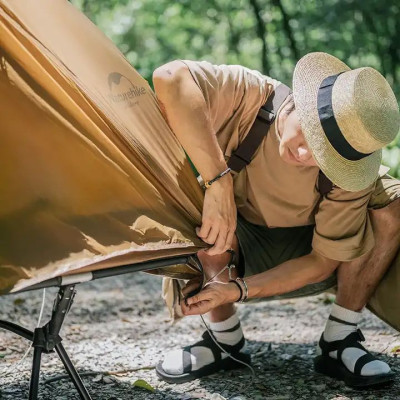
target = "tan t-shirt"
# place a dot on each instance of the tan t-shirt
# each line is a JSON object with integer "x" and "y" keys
{"x": 269, "y": 191}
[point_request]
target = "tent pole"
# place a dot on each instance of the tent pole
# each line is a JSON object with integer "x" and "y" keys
{"x": 190, "y": 259}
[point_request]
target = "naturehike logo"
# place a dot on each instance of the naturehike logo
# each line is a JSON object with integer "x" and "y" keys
{"x": 123, "y": 91}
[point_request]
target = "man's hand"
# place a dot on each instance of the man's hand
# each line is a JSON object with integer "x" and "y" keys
{"x": 212, "y": 295}
{"x": 219, "y": 216}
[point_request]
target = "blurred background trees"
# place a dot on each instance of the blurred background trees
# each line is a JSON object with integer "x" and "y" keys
{"x": 267, "y": 35}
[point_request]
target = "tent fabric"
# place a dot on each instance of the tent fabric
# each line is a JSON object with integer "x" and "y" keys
{"x": 91, "y": 175}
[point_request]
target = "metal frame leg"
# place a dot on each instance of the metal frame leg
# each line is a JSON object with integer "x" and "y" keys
{"x": 46, "y": 338}
{"x": 73, "y": 373}
{"x": 34, "y": 382}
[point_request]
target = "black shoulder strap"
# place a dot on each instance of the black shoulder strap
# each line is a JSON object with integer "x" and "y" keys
{"x": 265, "y": 117}
{"x": 324, "y": 184}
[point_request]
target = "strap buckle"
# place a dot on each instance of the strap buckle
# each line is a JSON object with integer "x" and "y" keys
{"x": 266, "y": 115}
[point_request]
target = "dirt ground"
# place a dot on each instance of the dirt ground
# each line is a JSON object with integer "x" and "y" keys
{"x": 120, "y": 325}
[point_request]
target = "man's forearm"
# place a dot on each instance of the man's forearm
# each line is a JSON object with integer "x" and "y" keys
{"x": 187, "y": 114}
{"x": 290, "y": 275}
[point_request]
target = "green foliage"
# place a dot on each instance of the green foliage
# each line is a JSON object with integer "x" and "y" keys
{"x": 267, "y": 35}
{"x": 391, "y": 157}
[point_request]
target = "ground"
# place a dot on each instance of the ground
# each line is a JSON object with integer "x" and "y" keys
{"x": 120, "y": 325}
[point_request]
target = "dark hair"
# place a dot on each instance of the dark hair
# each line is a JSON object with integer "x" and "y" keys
{"x": 290, "y": 106}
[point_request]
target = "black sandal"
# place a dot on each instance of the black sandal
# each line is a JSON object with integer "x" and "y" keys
{"x": 218, "y": 364}
{"x": 327, "y": 365}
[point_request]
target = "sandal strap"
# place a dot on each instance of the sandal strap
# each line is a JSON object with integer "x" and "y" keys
{"x": 237, "y": 326}
{"x": 351, "y": 340}
{"x": 227, "y": 347}
{"x": 209, "y": 343}
{"x": 186, "y": 361}
{"x": 365, "y": 359}
{"x": 332, "y": 318}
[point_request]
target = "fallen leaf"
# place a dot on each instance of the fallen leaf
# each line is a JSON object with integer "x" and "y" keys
{"x": 396, "y": 351}
{"x": 143, "y": 384}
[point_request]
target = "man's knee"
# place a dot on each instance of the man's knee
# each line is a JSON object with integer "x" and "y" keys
{"x": 387, "y": 218}
{"x": 214, "y": 264}
{"x": 356, "y": 264}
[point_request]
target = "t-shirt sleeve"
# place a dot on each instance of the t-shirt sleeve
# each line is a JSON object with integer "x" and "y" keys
{"x": 343, "y": 230}
{"x": 230, "y": 91}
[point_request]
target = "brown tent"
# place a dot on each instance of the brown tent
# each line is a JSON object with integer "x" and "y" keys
{"x": 91, "y": 174}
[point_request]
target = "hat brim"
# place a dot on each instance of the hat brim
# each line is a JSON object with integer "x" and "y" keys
{"x": 308, "y": 75}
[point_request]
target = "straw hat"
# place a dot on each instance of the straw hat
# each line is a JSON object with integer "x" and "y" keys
{"x": 347, "y": 116}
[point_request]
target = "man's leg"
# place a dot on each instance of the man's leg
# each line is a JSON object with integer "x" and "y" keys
{"x": 357, "y": 280}
{"x": 203, "y": 358}
{"x": 212, "y": 265}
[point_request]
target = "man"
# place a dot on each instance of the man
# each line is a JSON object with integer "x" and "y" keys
{"x": 290, "y": 239}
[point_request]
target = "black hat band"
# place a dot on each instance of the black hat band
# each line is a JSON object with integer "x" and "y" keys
{"x": 329, "y": 124}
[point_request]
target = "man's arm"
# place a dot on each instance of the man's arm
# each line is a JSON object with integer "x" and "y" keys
{"x": 186, "y": 112}
{"x": 284, "y": 278}
{"x": 291, "y": 275}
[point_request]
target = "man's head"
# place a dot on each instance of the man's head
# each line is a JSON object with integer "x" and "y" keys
{"x": 342, "y": 119}
{"x": 293, "y": 148}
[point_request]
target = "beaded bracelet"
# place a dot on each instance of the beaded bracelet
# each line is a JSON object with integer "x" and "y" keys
{"x": 240, "y": 288}
{"x": 245, "y": 290}
{"x": 207, "y": 184}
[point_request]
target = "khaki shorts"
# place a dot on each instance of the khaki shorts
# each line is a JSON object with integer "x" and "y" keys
{"x": 263, "y": 248}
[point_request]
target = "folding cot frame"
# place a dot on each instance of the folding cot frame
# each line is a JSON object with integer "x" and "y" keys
{"x": 46, "y": 339}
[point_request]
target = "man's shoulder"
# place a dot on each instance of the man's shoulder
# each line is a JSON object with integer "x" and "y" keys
{"x": 237, "y": 71}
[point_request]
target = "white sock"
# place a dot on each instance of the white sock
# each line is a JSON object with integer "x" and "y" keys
{"x": 340, "y": 324}
{"x": 335, "y": 330}
{"x": 200, "y": 356}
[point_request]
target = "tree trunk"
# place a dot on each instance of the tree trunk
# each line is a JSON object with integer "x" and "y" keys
{"x": 234, "y": 35}
{"x": 379, "y": 51}
{"x": 287, "y": 28}
{"x": 261, "y": 33}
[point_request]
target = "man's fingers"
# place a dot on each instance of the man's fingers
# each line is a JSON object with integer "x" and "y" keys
{"x": 223, "y": 243}
{"x": 198, "y": 308}
{"x": 229, "y": 240}
{"x": 194, "y": 299}
{"x": 212, "y": 236}
{"x": 220, "y": 244}
{"x": 204, "y": 230}
{"x": 191, "y": 285}
{"x": 197, "y": 298}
